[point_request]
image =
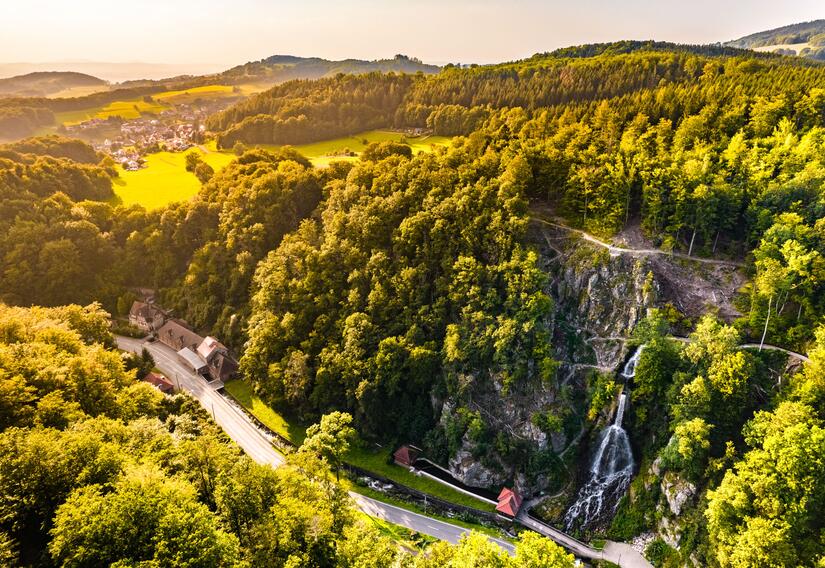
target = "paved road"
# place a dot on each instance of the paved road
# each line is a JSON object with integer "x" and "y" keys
{"x": 405, "y": 518}
{"x": 615, "y": 251}
{"x": 255, "y": 443}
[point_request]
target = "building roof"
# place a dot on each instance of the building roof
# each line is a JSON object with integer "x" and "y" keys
{"x": 175, "y": 333}
{"x": 209, "y": 346}
{"x": 405, "y": 455}
{"x": 162, "y": 383}
{"x": 141, "y": 309}
{"x": 509, "y": 502}
{"x": 223, "y": 367}
{"x": 192, "y": 358}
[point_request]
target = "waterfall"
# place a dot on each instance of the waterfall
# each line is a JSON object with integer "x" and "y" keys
{"x": 620, "y": 410}
{"x": 629, "y": 370}
{"x": 611, "y": 468}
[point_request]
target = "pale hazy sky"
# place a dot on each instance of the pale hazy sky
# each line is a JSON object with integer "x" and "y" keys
{"x": 228, "y": 32}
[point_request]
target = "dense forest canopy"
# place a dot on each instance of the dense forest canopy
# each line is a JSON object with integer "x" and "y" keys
{"x": 101, "y": 469}
{"x": 294, "y": 111}
{"x": 794, "y": 33}
{"x": 304, "y": 111}
{"x": 404, "y": 289}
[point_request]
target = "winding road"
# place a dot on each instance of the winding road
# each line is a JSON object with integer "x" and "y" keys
{"x": 257, "y": 445}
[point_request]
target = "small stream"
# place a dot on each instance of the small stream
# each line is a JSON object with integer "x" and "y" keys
{"x": 611, "y": 467}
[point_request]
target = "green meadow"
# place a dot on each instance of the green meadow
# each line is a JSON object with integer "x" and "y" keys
{"x": 165, "y": 179}
{"x": 137, "y": 107}
{"x": 322, "y": 153}
{"x": 133, "y": 108}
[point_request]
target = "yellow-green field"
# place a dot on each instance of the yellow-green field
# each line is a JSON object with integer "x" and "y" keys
{"x": 207, "y": 92}
{"x": 322, "y": 153}
{"x": 134, "y": 108}
{"x": 165, "y": 179}
{"x": 130, "y": 109}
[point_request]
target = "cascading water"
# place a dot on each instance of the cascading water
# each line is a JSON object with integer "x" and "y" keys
{"x": 629, "y": 370}
{"x": 611, "y": 469}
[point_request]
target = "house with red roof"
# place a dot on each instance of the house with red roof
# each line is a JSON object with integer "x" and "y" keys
{"x": 160, "y": 382}
{"x": 405, "y": 456}
{"x": 509, "y": 503}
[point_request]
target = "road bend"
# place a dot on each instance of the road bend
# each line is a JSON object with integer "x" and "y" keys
{"x": 258, "y": 446}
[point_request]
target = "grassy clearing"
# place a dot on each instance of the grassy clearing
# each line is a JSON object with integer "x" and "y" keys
{"x": 374, "y": 460}
{"x": 275, "y": 421}
{"x": 188, "y": 96}
{"x": 377, "y": 461}
{"x": 129, "y": 109}
{"x": 164, "y": 180}
{"x": 324, "y": 152}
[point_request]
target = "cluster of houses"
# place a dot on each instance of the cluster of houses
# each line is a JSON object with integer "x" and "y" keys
{"x": 206, "y": 356}
{"x": 166, "y": 132}
{"x": 127, "y": 141}
{"x": 509, "y": 500}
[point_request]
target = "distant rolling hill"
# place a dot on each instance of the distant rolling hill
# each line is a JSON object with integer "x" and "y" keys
{"x": 48, "y": 83}
{"x": 806, "y": 39}
{"x": 281, "y": 68}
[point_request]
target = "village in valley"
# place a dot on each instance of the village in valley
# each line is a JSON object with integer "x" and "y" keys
{"x": 128, "y": 141}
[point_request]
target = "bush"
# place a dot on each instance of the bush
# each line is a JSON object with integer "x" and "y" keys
{"x": 658, "y": 552}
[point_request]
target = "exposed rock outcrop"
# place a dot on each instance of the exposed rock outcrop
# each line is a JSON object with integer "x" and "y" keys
{"x": 599, "y": 299}
{"x": 677, "y": 491}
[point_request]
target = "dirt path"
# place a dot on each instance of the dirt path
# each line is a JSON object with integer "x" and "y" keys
{"x": 765, "y": 346}
{"x": 615, "y": 251}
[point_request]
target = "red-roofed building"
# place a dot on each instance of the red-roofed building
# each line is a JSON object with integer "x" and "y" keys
{"x": 405, "y": 456}
{"x": 160, "y": 382}
{"x": 509, "y": 502}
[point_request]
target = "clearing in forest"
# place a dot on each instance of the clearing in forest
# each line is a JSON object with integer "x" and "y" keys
{"x": 165, "y": 180}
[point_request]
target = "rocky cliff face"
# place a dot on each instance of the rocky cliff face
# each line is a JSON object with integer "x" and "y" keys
{"x": 598, "y": 301}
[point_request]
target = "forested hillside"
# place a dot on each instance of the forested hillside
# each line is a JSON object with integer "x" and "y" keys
{"x": 43, "y": 84}
{"x": 282, "y": 68}
{"x": 809, "y": 37}
{"x": 414, "y": 292}
{"x": 304, "y": 111}
{"x": 101, "y": 469}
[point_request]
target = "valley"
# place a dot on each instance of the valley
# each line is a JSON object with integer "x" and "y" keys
{"x": 555, "y": 311}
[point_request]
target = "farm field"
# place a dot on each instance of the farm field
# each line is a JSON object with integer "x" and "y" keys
{"x": 322, "y": 153}
{"x": 134, "y": 108}
{"x": 795, "y": 47}
{"x": 130, "y": 109}
{"x": 164, "y": 180}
